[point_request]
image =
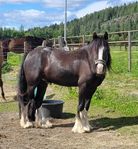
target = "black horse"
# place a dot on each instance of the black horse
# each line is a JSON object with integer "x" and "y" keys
{"x": 85, "y": 68}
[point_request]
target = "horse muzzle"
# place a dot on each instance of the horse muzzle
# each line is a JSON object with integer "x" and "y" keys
{"x": 100, "y": 67}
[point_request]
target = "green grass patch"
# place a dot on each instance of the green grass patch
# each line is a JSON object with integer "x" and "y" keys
{"x": 14, "y": 59}
{"x": 126, "y": 105}
{"x": 8, "y": 107}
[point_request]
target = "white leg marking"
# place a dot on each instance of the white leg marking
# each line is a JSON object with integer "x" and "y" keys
{"x": 22, "y": 120}
{"x": 47, "y": 123}
{"x": 78, "y": 127}
{"x": 38, "y": 117}
{"x": 41, "y": 121}
{"x": 85, "y": 122}
{"x": 28, "y": 125}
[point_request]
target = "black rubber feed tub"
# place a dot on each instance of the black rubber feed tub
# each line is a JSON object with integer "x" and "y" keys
{"x": 52, "y": 108}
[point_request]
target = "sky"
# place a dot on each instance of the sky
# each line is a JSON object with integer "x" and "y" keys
{"x": 40, "y": 13}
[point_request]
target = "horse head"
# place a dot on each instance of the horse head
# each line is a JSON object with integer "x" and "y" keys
{"x": 101, "y": 55}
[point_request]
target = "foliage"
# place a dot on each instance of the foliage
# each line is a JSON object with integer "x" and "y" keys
{"x": 6, "y": 68}
{"x": 13, "y": 61}
{"x": 111, "y": 19}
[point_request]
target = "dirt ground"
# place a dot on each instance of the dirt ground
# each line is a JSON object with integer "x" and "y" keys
{"x": 12, "y": 136}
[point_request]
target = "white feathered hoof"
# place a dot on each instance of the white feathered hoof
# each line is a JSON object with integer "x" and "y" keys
{"x": 22, "y": 123}
{"x": 87, "y": 128}
{"x": 78, "y": 127}
{"x": 47, "y": 124}
{"x": 85, "y": 122}
{"x": 38, "y": 124}
{"x": 28, "y": 125}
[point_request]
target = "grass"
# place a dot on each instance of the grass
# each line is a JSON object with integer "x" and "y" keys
{"x": 10, "y": 71}
{"x": 13, "y": 62}
{"x": 8, "y": 107}
{"x": 117, "y": 94}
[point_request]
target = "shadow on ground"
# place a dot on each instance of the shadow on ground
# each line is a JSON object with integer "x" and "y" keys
{"x": 113, "y": 123}
{"x": 66, "y": 115}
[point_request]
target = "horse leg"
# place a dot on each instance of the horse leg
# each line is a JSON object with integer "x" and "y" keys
{"x": 2, "y": 91}
{"x": 85, "y": 95}
{"x": 41, "y": 89}
{"x": 78, "y": 126}
{"x": 22, "y": 111}
{"x": 84, "y": 116}
{"x": 29, "y": 109}
{"x": 41, "y": 121}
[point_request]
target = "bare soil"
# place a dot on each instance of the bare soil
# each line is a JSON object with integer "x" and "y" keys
{"x": 12, "y": 136}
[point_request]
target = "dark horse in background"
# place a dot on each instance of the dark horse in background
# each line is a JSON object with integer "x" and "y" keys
{"x": 1, "y": 63}
{"x": 85, "y": 68}
{"x": 16, "y": 45}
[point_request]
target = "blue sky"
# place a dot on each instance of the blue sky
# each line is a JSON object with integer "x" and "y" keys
{"x": 39, "y": 13}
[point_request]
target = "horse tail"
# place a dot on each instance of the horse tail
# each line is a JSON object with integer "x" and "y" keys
{"x": 22, "y": 84}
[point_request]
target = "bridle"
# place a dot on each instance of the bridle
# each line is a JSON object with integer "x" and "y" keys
{"x": 100, "y": 61}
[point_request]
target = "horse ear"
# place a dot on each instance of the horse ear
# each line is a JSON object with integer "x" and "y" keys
{"x": 95, "y": 35}
{"x": 106, "y": 36}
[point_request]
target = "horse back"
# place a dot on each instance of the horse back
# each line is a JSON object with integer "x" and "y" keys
{"x": 65, "y": 68}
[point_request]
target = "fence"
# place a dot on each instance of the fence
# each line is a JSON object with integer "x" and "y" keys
{"x": 73, "y": 42}
{"x": 125, "y": 36}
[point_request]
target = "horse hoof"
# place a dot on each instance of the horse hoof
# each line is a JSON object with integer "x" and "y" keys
{"x": 28, "y": 125}
{"x": 48, "y": 124}
{"x": 87, "y": 129}
{"x": 78, "y": 130}
{"x": 22, "y": 123}
{"x": 38, "y": 125}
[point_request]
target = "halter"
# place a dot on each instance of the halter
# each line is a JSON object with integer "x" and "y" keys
{"x": 100, "y": 61}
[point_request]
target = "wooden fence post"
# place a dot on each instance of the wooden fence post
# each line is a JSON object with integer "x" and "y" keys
{"x": 54, "y": 42}
{"x": 60, "y": 42}
{"x": 129, "y": 51}
{"x": 25, "y": 47}
{"x": 83, "y": 39}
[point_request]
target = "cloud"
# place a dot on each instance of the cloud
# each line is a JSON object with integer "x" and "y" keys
{"x": 17, "y": 1}
{"x": 96, "y": 6}
{"x": 99, "y": 5}
{"x": 48, "y": 3}
{"x": 61, "y": 3}
{"x": 29, "y": 18}
{"x": 119, "y": 2}
{"x": 49, "y": 15}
